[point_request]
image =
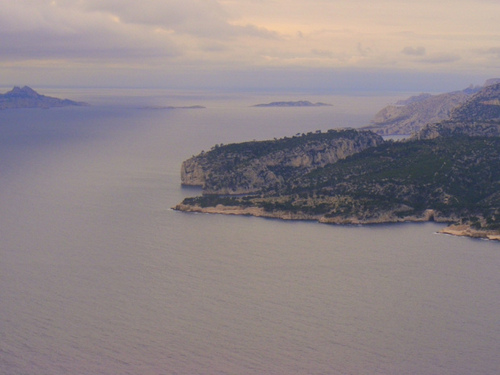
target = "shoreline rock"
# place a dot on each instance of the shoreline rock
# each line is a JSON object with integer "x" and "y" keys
{"x": 463, "y": 230}
{"x": 428, "y": 216}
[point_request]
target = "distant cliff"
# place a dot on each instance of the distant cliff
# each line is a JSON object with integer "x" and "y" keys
{"x": 249, "y": 167}
{"x": 26, "y": 97}
{"x": 410, "y": 115}
{"x": 482, "y": 106}
{"x": 478, "y": 116}
{"x": 420, "y": 110}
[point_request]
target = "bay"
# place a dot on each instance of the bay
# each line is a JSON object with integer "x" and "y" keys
{"x": 100, "y": 276}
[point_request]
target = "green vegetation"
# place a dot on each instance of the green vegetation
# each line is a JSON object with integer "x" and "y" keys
{"x": 239, "y": 152}
{"x": 448, "y": 171}
{"x": 457, "y": 177}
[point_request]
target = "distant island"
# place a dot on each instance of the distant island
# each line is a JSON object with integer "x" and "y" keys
{"x": 175, "y": 107}
{"x": 26, "y": 97}
{"x": 300, "y": 103}
{"x": 447, "y": 172}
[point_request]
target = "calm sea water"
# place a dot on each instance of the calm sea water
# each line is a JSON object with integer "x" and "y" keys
{"x": 99, "y": 276}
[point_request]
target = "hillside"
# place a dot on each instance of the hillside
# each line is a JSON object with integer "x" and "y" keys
{"x": 250, "y": 167}
{"x": 479, "y": 116}
{"x": 447, "y": 179}
{"x": 410, "y": 115}
{"x": 482, "y": 106}
{"x": 26, "y": 97}
{"x": 448, "y": 171}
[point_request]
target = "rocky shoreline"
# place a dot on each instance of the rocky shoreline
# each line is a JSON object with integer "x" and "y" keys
{"x": 468, "y": 231}
{"x": 428, "y": 215}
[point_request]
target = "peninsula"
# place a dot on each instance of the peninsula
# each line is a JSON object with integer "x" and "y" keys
{"x": 447, "y": 172}
{"x": 26, "y": 97}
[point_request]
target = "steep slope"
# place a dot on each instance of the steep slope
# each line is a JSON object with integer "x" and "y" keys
{"x": 251, "y": 167}
{"x": 410, "y": 115}
{"x": 483, "y": 106}
{"x": 448, "y": 179}
{"x": 479, "y": 116}
{"x": 416, "y": 112}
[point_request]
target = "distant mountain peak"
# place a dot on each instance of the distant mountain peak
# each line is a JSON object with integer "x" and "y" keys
{"x": 24, "y": 91}
{"x": 26, "y": 97}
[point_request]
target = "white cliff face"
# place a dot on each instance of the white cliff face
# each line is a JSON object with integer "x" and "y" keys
{"x": 192, "y": 172}
{"x": 241, "y": 172}
{"x": 413, "y": 115}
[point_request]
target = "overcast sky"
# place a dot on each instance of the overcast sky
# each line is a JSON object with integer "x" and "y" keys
{"x": 338, "y": 45}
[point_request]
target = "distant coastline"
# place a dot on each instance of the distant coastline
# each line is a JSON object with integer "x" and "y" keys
{"x": 300, "y": 103}
{"x": 462, "y": 230}
{"x": 26, "y": 97}
{"x": 447, "y": 172}
{"x": 175, "y": 107}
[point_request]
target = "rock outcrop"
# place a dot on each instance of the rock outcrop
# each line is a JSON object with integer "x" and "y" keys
{"x": 255, "y": 166}
{"x": 26, "y": 97}
{"x": 409, "y": 116}
{"x": 454, "y": 179}
{"x": 448, "y": 171}
{"x": 416, "y": 112}
{"x": 482, "y": 106}
{"x": 451, "y": 128}
{"x": 477, "y": 117}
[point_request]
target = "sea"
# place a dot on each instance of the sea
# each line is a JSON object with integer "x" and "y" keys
{"x": 99, "y": 276}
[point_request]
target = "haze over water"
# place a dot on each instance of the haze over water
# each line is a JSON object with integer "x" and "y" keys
{"x": 99, "y": 276}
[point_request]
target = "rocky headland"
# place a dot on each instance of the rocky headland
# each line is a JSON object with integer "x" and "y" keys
{"x": 26, "y": 97}
{"x": 447, "y": 172}
{"x": 251, "y": 167}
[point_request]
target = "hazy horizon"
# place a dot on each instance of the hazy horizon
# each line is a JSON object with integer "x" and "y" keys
{"x": 317, "y": 46}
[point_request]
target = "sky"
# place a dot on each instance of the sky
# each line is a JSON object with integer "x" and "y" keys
{"x": 251, "y": 45}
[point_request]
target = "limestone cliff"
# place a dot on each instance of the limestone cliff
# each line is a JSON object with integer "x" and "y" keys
{"x": 453, "y": 179}
{"x": 266, "y": 165}
{"x": 482, "y": 106}
{"x": 410, "y": 115}
{"x": 416, "y": 112}
{"x": 477, "y": 117}
{"x": 449, "y": 171}
{"x": 452, "y": 128}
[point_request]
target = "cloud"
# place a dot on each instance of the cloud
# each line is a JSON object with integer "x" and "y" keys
{"x": 493, "y": 51}
{"x": 414, "y": 51}
{"x": 47, "y": 30}
{"x": 363, "y": 51}
{"x": 200, "y": 18}
{"x": 443, "y": 58}
{"x": 155, "y": 38}
{"x": 322, "y": 53}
